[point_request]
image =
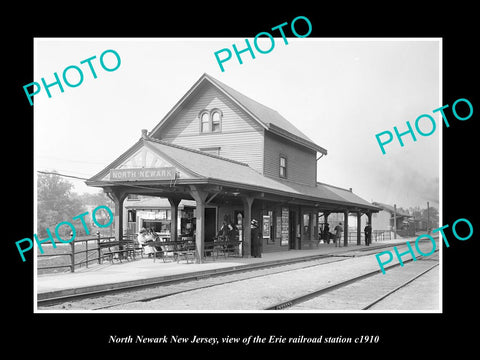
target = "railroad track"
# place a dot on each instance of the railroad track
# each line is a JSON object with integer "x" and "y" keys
{"x": 381, "y": 298}
{"x": 186, "y": 284}
{"x": 328, "y": 289}
{"x": 129, "y": 294}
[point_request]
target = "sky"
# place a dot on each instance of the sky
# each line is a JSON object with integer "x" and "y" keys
{"x": 340, "y": 92}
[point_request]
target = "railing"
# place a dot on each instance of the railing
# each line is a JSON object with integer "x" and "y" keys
{"x": 377, "y": 235}
{"x": 80, "y": 251}
{"x": 381, "y": 235}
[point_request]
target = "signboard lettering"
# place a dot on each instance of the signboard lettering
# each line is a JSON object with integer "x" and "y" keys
{"x": 165, "y": 173}
{"x": 285, "y": 219}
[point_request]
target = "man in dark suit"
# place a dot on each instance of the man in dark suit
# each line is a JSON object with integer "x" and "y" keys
{"x": 368, "y": 234}
{"x": 255, "y": 239}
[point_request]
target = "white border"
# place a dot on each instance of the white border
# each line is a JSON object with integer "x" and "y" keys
{"x": 224, "y": 40}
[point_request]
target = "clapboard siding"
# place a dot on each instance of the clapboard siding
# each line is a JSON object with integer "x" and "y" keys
{"x": 246, "y": 147}
{"x": 301, "y": 162}
{"x": 241, "y": 137}
{"x": 187, "y": 123}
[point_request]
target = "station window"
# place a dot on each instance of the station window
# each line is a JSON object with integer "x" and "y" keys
{"x": 306, "y": 224}
{"x": 205, "y": 122}
{"x": 283, "y": 166}
{"x": 210, "y": 121}
{"x": 132, "y": 215}
{"x": 216, "y": 121}
{"x": 211, "y": 150}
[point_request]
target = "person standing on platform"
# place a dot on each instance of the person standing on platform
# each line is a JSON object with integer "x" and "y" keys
{"x": 338, "y": 234}
{"x": 255, "y": 239}
{"x": 326, "y": 233}
{"x": 368, "y": 234}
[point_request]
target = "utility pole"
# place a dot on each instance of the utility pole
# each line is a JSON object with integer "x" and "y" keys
{"x": 394, "y": 221}
{"x": 428, "y": 217}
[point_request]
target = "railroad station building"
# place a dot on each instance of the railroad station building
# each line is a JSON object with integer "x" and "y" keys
{"x": 236, "y": 160}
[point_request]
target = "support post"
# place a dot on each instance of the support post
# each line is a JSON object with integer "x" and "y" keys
{"x": 369, "y": 219}
{"x": 311, "y": 226}
{"x": 72, "y": 257}
{"x": 345, "y": 238}
{"x": 86, "y": 253}
{"x": 118, "y": 196}
{"x": 174, "y": 217}
{"x": 98, "y": 248}
{"x": 359, "y": 228}
{"x": 199, "y": 196}
{"x": 247, "y": 218}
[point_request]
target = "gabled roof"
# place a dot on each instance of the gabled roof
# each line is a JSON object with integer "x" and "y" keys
{"x": 178, "y": 155}
{"x": 213, "y": 169}
{"x": 390, "y": 209}
{"x": 268, "y": 118}
{"x": 344, "y": 194}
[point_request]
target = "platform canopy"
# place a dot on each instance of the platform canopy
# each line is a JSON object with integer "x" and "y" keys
{"x": 154, "y": 166}
{"x": 158, "y": 168}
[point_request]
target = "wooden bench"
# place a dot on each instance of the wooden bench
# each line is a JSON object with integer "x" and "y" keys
{"x": 187, "y": 250}
{"x": 174, "y": 250}
{"x": 128, "y": 251}
{"x": 167, "y": 250}
{"x": 224, "y": 248}
{"x": 209, "y": 249}
{"x": 230, "y": 248}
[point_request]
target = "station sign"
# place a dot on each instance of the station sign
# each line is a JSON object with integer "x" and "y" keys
{"x": 135, "y": 174}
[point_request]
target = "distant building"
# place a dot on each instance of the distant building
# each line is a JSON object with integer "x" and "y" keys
{"x": 385, "y": 220}
{"x": 154, "y": 213}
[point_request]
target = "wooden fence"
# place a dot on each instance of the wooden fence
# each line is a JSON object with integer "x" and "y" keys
{"x": 78, "y": 253}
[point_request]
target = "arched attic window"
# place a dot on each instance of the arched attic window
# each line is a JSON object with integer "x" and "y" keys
{"x": 210, "y": 121}
{"x": 204, "y": 122}
{"x": 216, "y": 116}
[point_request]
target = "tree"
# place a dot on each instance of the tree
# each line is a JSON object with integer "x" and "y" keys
{"x": 96, "y": 199}
{"x": 423, "y": 216}
{"x": 91, "y": 201}
{"x": 56, "y": 203}
{"x": 432, "y": 215}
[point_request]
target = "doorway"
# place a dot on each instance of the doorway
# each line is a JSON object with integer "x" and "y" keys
{"x": 210, "y": 223}
{"x": 292, "y": 225}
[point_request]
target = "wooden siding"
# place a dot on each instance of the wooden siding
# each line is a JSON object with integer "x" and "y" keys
{"x": 273, "y": 244}
{"x": 241, "y": 137}
{"x": 301, "y": 162}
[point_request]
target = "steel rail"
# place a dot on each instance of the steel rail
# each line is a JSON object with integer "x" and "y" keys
{"x": 155, "y": 297}
{"x": 46, "y": 302}
{"x": 399, "y": 287}
{"x": 191, "y": 277}
{"x": 324, "y": 290}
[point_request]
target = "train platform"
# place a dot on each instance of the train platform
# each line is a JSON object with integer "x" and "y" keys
{"x": 144, "y": 271}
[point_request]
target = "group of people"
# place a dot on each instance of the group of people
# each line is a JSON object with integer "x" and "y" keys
{"x": 327, "y": 235}
{"x": 146, "y": 236}
{"x": 229, "y": 230}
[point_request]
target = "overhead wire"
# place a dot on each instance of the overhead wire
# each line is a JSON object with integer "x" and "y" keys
{"x": 80, "y": 178}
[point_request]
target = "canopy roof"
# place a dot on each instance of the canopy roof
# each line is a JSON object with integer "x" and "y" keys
{"x": 196, "y": 167}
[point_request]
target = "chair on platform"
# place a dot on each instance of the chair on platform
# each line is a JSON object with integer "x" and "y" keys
{"x": 186, "y": 250}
